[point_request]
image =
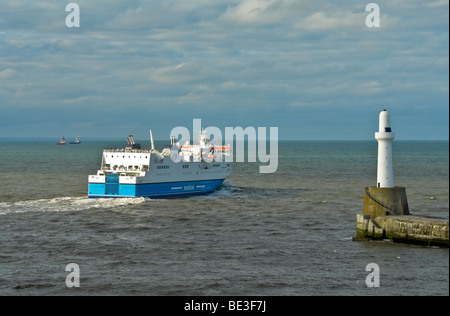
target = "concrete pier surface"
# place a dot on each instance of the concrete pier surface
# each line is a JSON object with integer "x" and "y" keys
{"x": 421, "y": 230}
{"x": 386, "y": 216}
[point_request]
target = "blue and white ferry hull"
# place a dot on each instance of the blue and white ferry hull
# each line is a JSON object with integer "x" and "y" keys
{"x": 154, "y": 190}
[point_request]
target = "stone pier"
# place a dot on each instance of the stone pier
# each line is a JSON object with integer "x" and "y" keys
{"x": 386, "y": 216}
{"x": 404, "y": 228}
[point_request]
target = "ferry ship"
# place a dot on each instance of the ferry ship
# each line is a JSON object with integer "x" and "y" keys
{"x": 136, "y": 172}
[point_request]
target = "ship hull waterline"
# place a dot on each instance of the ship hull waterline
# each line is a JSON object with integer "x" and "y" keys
{"x": 154, "y": 190}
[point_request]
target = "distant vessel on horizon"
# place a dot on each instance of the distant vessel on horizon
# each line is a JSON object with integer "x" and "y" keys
{"x": 77, "y": 141}
{"x": 62, "y": 141}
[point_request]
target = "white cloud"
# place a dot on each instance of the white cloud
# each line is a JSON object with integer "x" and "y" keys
{"x": 261, "y": 12}
{"x": 372, "y": 87}
{"x": 7, "y": 73}
{"x": 186, "y": 72}
{"x": 82, "y": 100}
{"x": 321, "y": 21}
{"x": 13, "y": 4}
{"x": 438, "y": 3}
{"x": 248, "y": 11}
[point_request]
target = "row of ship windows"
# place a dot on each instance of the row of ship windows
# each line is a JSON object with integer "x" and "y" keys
{"x": 112, "y": 156}
{"x": 189, "y": 173}
{"x": 185, "y": 166}
{"x": 163, "y": 167}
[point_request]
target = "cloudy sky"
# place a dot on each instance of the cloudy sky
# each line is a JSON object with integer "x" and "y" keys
{"x": 311, "y": 68}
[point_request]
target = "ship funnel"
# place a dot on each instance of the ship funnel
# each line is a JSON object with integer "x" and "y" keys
{"x": 130, "y": 140}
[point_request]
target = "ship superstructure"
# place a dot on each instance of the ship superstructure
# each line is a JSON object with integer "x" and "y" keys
{"x": 178, "y": 170}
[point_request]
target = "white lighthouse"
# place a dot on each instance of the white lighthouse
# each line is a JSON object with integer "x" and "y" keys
{"x": 385, "y": 136}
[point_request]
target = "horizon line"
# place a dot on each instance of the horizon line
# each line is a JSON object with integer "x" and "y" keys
{"x": 45, "y": 138}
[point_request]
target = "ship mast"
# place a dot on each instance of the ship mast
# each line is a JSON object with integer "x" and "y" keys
{"x": 151, "y": 139}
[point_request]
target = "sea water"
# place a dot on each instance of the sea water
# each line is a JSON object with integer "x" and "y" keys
{"x": 286, "y": 233}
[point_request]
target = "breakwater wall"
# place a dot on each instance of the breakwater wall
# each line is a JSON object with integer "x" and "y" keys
{"x": 386, "y": 216}
{"x": 404, "y": 228}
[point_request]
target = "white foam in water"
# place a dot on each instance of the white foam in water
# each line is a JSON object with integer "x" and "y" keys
{"x": 4, "y": 207}
{"x": 64, "y": 204}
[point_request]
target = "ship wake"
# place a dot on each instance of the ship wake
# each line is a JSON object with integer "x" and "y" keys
{"x": 65, "y": 204}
